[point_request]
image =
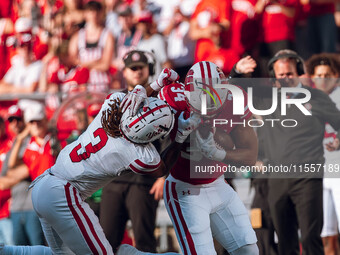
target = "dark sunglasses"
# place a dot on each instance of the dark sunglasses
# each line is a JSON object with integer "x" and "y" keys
{"x": 10, "y": 119}
{"x": 136, "y": 68}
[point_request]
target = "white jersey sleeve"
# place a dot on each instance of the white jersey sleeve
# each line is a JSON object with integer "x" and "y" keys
{"x": 147, "y": 162}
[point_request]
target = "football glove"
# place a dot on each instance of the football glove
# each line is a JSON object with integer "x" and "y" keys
{"x": 209, "y": 149}
{"x": 186, "y": 126}
{"x": 134, "y": 99}
{"x": 166, "y": 77}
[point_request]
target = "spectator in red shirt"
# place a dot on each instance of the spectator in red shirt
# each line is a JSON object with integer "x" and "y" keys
{"x": 23, "y": 76}
{"x": 5, "y": 222}
{"x": 60, "y": 72}
{"x": 17, "y": 179}
{"x": 278, "y": 24}
{"x": 245, "y": 25}
{"x": 60, "y": 75}
{"x": 209, "y": 25}
{"x": 278, "y": 28}
{"x": 38, "y": 156}
{"x": 29, "y": 10}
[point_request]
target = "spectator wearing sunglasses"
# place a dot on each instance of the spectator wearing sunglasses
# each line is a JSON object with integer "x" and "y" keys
{"x": 23, "y": 76}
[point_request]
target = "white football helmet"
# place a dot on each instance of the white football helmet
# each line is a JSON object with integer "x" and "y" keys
{"x": 149, "y": 125}
{"x": 200, "y": 88}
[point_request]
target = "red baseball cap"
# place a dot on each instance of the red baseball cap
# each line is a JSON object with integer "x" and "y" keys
{"x": 145, "y": 16}
{"x": 14, "y": 112}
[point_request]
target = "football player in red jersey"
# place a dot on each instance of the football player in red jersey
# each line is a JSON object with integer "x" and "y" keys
{"x": 203, "y": 206}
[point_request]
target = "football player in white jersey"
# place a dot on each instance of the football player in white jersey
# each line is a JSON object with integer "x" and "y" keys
{"x": 112, "y": 143}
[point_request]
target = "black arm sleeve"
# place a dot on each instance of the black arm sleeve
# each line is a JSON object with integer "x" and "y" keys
{"x": 235, "y": 74}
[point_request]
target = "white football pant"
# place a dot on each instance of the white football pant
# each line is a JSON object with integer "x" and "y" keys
{"x": 201, "y": 212}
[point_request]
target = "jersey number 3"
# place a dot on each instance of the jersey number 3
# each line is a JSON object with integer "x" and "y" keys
{"x": 89, "y": 148}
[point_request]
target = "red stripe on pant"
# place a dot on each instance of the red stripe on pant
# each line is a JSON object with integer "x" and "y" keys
{"x": 167, "y": 190}
{"x": 185, "y": 227}
{"x": 181, "y": 219}
{"x": 89, "y": 222}
{"x": 78, "y": 220}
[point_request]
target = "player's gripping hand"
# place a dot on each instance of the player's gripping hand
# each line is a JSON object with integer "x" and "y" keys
{"x": 134, "y": 99}
{"x": 186, "y": 126}
{"x": 209, "y": 148}
{"x": 166, "y": 77}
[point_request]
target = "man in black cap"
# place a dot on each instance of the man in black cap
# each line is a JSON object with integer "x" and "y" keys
{"x": 132, "y": 196}
{"x": 136, "y": 69}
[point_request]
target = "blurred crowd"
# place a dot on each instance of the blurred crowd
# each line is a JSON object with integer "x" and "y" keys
{"x": 66, "y": 47}
{"x": 60, "y": 58}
